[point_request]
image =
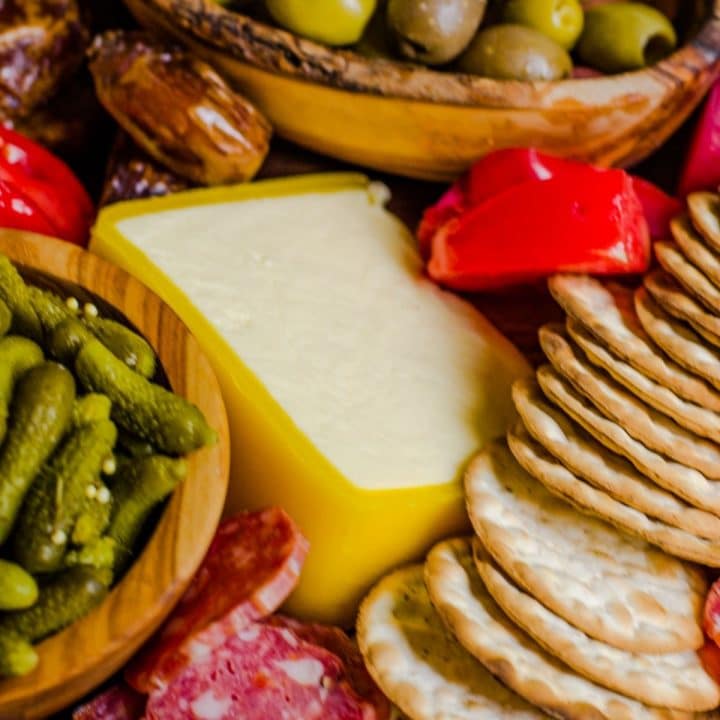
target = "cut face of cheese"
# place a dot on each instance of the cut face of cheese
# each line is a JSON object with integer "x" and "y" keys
{"x": 356, "y": 389}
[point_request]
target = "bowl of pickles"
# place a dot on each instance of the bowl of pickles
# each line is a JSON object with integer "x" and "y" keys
{"x": 113, "y": 469}
{"x": 423, "y": 88}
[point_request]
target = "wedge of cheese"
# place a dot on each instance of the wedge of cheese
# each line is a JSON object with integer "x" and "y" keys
{"x": 356, "y": 389}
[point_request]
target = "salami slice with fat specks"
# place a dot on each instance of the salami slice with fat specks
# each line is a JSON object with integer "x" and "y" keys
{"x": 252, "y": 566}
{"x": 117, "y": 703}
{"x": 259, "y": 673}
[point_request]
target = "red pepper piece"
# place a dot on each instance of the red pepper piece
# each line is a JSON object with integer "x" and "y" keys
{"x": 19, "y": 212}
{"x": 584, "y": 222}
{"x": 710, "y": 657}
{"x": 453, "y": 202}
{"x": 711, "y": 615}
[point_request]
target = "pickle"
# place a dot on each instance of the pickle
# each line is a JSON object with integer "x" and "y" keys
{"x": 100, "y": 554}
{"x": 59, "y": 495}
{"x": 67, "y": 339}
{"x": 50, "y": 308}
{"x": 41, "y": 412}
{"x": 18, "y": 588}
{"x": 17, "y": 356}
{"x": 14, "y": 293}
{"x": 144, "y": 409}
{"x": 69, "y": 596}
{"x": 134, "y": 447}
{"x": 125, "y": 344}
{"x": 93, "y": 519}
{"x": 5, "y": 318}
{"x": 90, "y": 408}
{"x": 17, "y": 656}
{"x": 139, "y": 487}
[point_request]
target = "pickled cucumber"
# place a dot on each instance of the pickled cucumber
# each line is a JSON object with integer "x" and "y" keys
{"x": 93, "y": 518}
{"x": 17, "y": 356}
{"x": 14, "y": 293}
{"x": 59, "y": 495}
{"x": 126, "y": 345}
{"x": 144, "y": 409}
{"x": 5, "y": 318}
{"x": 66, "y": 340}
{"x": 90, "y": 408}
{"x": 99, "y": 554}
{"x": 17, "y": 656}
{"x": 69, "y": 596}
{"x": 18, "y": 588}
{"x": 134, "y": 447}
{"x": 49, "y": 307}
{"x": 41, "y": 411}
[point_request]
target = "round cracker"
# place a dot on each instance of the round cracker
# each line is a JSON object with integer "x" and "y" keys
{"x": 677, "y": 339}
{"x": 683, "y": 481}
{"x": 653, "y": 429}
{"x": 578, "y": 451}
{"x": 667, "y": 292}
{"x": 419, "y": 665}
{"x": 561, "y": 482}
{"x": 466, "y": 606}
{"x": 691, "y": 278}
{"x": 672, "y": 680}
{"x": 614, "y": 588}
{"x": 607, "y": 311}
{"x": 695, "y": 249}
{"x": 711, "y": 338}
{"x": 691, "y": 416}
{"x": 705, "y": 215}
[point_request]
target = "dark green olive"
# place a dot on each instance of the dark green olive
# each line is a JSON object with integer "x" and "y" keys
{"x": 515, "y": 52}
{"x": 434, "y": 31}
{"x": 560, "y": 20}
{"x": 625, "y": 36}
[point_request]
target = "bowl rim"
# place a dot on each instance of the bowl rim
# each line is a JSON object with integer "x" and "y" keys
{"x": 83, "y": 655}
{"x": 278, "y": 51}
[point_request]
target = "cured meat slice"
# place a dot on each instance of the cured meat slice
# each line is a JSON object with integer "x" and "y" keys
{"x": 252, "y": 566}
{"x": 258, "y": 673}
{"x": 119, "y": 702}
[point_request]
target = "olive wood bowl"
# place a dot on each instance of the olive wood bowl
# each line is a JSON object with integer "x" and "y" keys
{"x": 413, "y": 121}
{"x": 86, "y": 653}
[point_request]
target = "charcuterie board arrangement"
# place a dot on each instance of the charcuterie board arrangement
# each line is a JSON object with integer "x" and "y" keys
{"x": 286, "y": 439}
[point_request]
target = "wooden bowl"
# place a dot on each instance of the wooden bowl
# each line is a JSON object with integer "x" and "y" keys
{"x": 82, "y": 656}
{"x": 425, "y": 124}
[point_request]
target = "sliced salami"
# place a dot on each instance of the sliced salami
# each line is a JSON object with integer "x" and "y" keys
{"x": 119, "y": 702}
{"x": 258, "y": 673}
{"x": 250, "y": 569}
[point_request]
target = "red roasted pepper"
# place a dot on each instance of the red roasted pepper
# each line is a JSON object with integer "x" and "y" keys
{"x": 39, "y": 192}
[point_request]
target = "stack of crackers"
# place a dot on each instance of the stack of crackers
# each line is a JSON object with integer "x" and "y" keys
{"x": 580, "y": 595}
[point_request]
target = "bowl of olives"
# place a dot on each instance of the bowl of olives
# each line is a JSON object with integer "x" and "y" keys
{"x": 423, "y": 88}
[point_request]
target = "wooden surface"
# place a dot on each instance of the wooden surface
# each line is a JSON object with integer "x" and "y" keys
{"x": 86, "y": 653}
{"x": 421, "y": 123}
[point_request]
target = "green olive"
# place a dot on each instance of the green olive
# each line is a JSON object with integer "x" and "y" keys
{"x": 560, "y": 20}
{"x": 625, "y": 36}
{"x": 434, "y": 31}
{"x": 515, "y": 52}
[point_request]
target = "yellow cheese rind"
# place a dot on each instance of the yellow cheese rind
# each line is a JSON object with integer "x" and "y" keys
{"x": 355, "y": 534}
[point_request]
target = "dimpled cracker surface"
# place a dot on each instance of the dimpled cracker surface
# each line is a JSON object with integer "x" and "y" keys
{"x": 419, "y": 665}
{"x": 673, "y": 680}
{"x": 705, "y": 215}
{"x": 580, "y": 453}
{"x": 613, "y": 587}
{"x": 467, "y": 607}
{"x": 653, "y": 429}
{"x": 607, "y": 311}
{"x": 696, "y": 249}
{"x": 561, "y": 482}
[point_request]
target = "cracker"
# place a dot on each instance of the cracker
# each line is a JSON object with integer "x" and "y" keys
{"x": 653, "y": 429}
{"x": 672, "y": 680}
{"x": 580, "y": 453}
{"x": 538, "y": 463}
{"x": 705, "y": 215}
{"x": 712, "y": 338}
{"x": 693, "y": 417}
{"x": 419, "y": 665}
{"x": 683, "y": 481}
{"x": 614, "y": 588}
{"x": 695, "y": 248}
{"x": 607, "y": 311}
{"x": 691, "y": 278}
{"x": 677, "y": 339}
{"x": 675, "y": 300}
{"x": 466, "y": 606}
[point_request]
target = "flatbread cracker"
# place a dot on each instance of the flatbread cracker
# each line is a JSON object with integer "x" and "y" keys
{"x": 671, "y": 680}
{"x": 705, "y": 215}
{"x": 585, "y": 457}
{"x": 683, "y": 481}
{"x": 614, "y": 588}
{"x": 419, "y": 665}
{"x": 670, "y": 295}
{"x": 696, "y": 249}
{"x": 556, "y": 478}
{"x": 653, "y": 429}
{"x": 607, "y": 311}
{"x": 691, "y": 416}
{"x": 677, "y": 339}
{"x": 466, "y": 606}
